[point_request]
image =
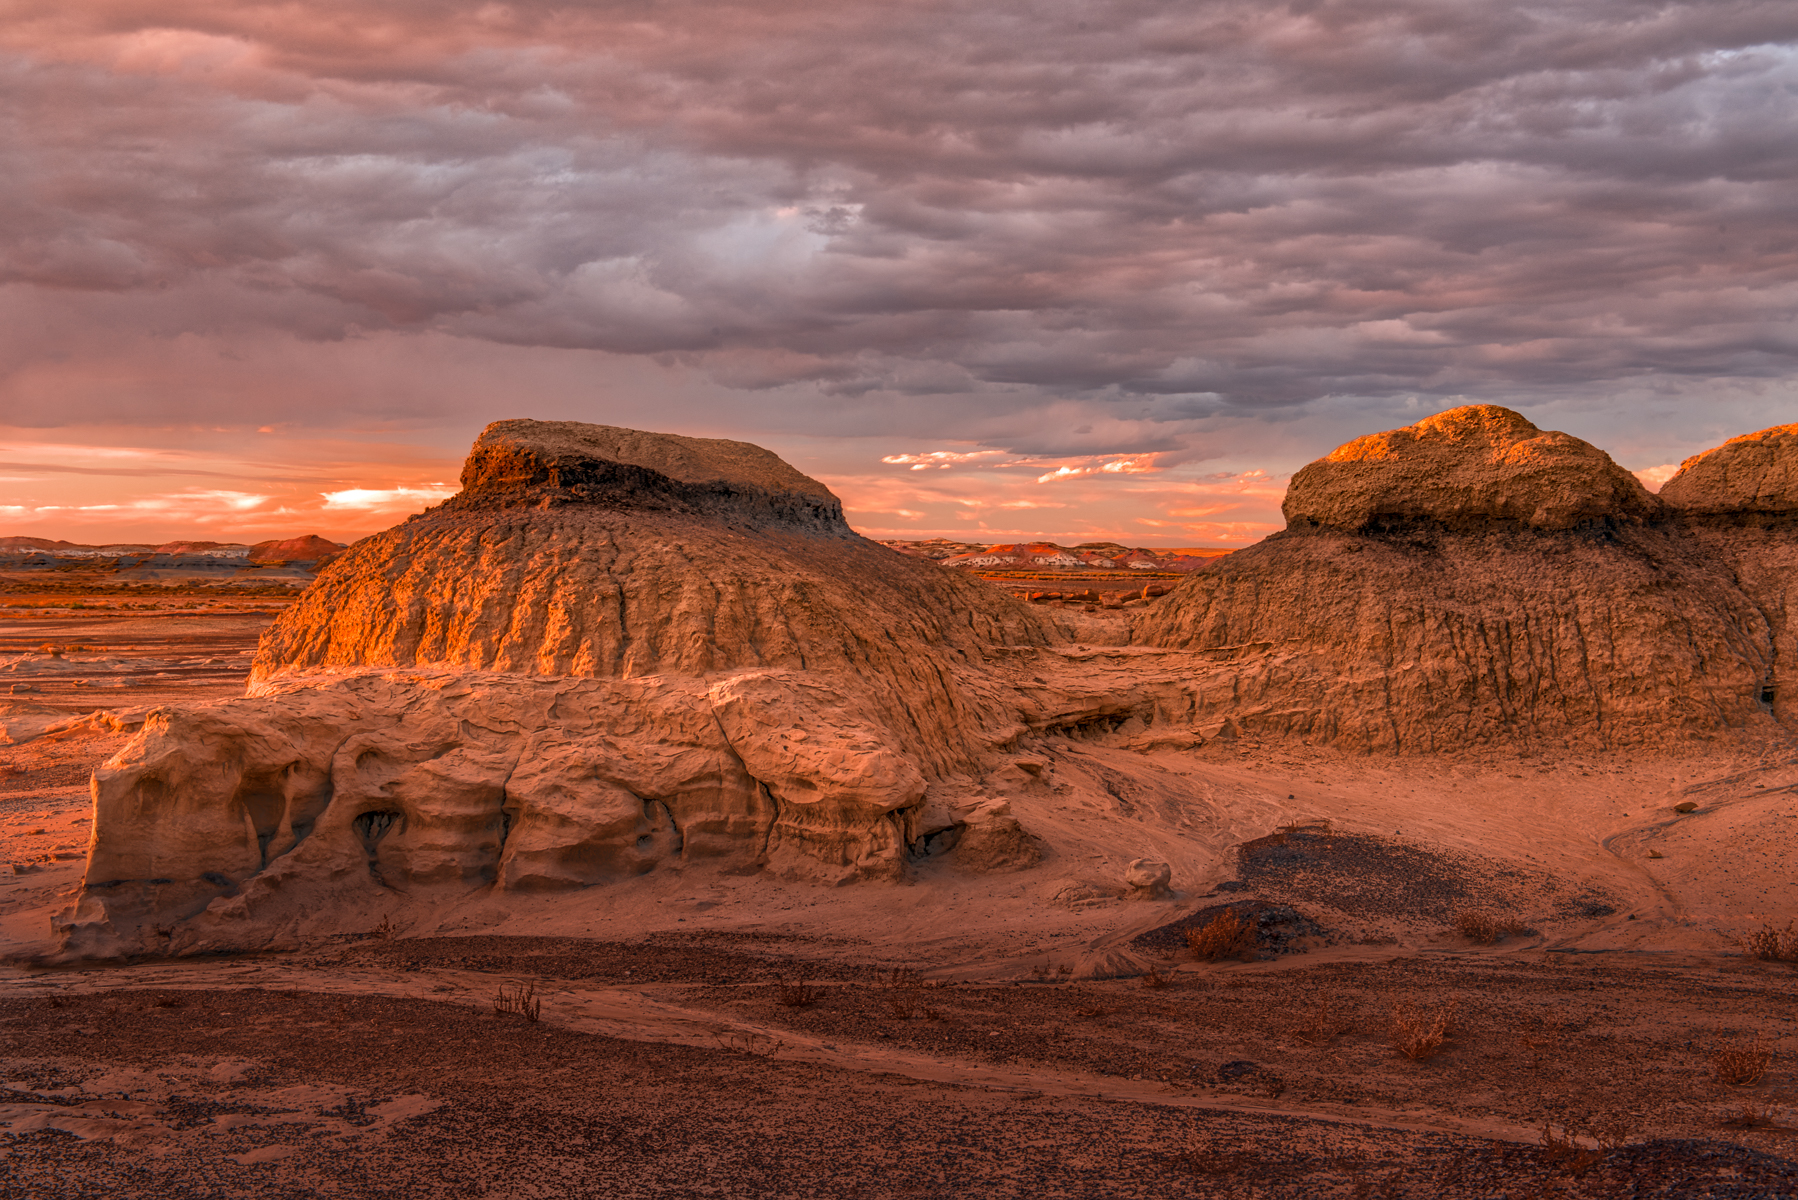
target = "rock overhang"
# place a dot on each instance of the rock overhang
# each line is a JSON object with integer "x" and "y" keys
{"x": 545, "y": 464}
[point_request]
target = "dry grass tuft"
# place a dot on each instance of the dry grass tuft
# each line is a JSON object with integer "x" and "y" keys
{"x": 1772, "y": 945}
{"x": 800, "y": 993}
{"x": 1749, "y": 1115}
{"x": 1741, "y": 1063}
{"x": 1420, "y": 1033}
{"x": 518, "y": 999}
{"x": 1479, "y": 925}
{"x": 1328, "y": 1021}
{"x": 1153, "y": 979}
{"x": 1228, "y": 935}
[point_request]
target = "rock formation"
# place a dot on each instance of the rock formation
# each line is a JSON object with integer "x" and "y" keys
{"x": 610, "y": 651}
{"x": 1468, "y": 469}
{"x": 1472, "y": 581}
{"x": 1739, "y": 502}
{"x": 614, "y": 652}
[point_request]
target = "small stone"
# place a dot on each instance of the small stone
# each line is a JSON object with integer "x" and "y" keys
{"x": 1148, "y": 879}
{"x": 1686, "y": 806}
{"x": 1655, "y": 854}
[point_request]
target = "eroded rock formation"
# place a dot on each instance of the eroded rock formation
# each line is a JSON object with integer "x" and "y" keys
{"x": 1739, "y": 503}
{"x": 611, "y": 651}
{"x": 1472, "y": 581}
{"x": 615, "y": 652}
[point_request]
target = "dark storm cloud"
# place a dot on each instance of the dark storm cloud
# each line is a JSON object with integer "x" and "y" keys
{"x": 1195, "y": 204}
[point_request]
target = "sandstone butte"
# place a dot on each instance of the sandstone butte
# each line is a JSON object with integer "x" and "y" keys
{"x": 616, "y": 652}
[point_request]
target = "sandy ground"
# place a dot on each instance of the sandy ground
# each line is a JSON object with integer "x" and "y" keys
{"x": 712, "y": 1035}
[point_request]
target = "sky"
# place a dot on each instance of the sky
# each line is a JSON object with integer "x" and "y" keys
{"x": 1085, "y": 271}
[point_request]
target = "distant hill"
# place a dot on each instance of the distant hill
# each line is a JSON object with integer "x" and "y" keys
{"x": 16, "y": 545}
{"x": 198, "y": 547}
{"x": 1088, "y": 556}
{"x": 310, "y": 548}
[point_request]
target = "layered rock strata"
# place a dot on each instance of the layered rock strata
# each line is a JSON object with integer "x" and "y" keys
{"x": 1739, "y": 503}
{"x": 611, "y": 651}
{"x": 1472, "y": 581}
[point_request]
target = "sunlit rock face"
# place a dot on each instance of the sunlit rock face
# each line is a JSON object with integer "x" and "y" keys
{"x": 1472, "y": 581}
{"x": 1466, "y": 470}
{"x": 1749, "y": 480}
{"x": 1739, "y": 502}
{"x": 591, "y": 551}
{"x": 612, "y": 652}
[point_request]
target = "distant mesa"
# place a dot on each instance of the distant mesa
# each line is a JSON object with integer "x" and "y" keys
{"x": 202, "y": 547}
{"x": 16, "y": 545}
{"x": 1089, "y": 556}
{"x": 1466, "y": 469}
{"x": 1753, "y": 476}
{"x": 310, "y": 548}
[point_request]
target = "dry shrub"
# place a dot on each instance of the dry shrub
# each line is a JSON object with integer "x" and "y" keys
{"x": 1227, "y": 935}
{"x": 1419, "y": 1033}
{"x": 1562, "y": 1146}
{"x": 1153, "y": 979}
{"x": 1328, "y": 1021}
{"x": 798, "y": 994}
{"x": 1741, "y": 1063}
{"x": 1772, "y": 945}
{"x": 1752, "y": 1116}
{"x": 1479, "y": 925}
{"x": 519, "y": 999}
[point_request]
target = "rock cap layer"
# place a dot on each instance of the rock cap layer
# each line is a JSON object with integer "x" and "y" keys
{"x": 1756, "y": 473}
{"x": 1467, "y": 468}
{"x": 525, "y": 463}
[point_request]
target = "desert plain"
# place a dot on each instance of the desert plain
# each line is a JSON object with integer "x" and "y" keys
{"x": 627, "y": 827}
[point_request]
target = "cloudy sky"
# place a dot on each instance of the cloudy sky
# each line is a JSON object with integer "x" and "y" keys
{"x": 1083, "y": 270}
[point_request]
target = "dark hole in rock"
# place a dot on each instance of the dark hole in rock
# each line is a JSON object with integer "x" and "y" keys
{"x": 371, "y": 827}
{"x": 1767, "y": 695}
{"x": 217, "y": 880}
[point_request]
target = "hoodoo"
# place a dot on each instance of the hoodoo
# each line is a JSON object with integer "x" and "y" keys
{"x": 1471, "y": 581}
{"x": 612, "y": 651}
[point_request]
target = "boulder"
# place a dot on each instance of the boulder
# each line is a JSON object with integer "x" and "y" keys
{"x": 1148, "y": 879}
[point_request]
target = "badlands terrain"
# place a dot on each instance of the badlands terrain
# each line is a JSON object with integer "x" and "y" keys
{"x": 627, "y": 826}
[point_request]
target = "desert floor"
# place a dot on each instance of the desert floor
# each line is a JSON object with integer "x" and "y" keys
{"x": 1027, "y": 1034}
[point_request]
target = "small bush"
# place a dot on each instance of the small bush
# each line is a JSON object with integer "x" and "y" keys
{"x": 1419, "y": 1033}
{"x": 1741, "y": 1063}
{"x": 1772, "y": 945}
{"x": 1485, "y": 928}
{"x": 519, "y": 999}
{"x": 1153, "y": 979}
{"x": 1227, "y": 935}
